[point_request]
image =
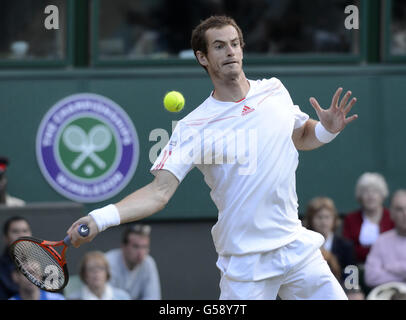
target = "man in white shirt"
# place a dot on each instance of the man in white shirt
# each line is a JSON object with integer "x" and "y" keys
{"x": 132, "y": 268}
{"x": 244, "y": 138}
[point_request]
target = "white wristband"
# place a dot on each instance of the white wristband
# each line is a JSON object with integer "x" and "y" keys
{"x": 323, "y": 135}
{"x": 106, "y": 217}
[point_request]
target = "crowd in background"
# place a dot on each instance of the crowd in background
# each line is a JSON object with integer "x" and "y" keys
{"x": 365, "y": 250}
{"x": 132, "y": 29}
{"x": 371, "y": 239}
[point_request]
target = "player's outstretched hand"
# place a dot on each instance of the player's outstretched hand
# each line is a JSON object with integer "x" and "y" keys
{"x": 76, "y": 239}
{"x": 335, "y": 118}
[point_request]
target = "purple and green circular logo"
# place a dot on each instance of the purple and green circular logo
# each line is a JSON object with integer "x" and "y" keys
{"x": 87, "y": 148}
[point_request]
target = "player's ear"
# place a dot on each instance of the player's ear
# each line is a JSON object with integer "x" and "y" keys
{"x": 201, "y": 57}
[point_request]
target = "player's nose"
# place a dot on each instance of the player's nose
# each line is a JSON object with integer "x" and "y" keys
{"x": 230, "y": 51}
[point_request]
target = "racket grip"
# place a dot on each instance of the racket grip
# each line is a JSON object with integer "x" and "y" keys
{"x": 83, "y": 230}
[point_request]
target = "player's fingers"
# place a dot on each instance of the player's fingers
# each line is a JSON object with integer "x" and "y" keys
{"x": 73, "y": 235}
{"x": 76, "y": 238}
{"x": 71, "y": 228}
{"x": 351, "y": 119}
{"x": 336, "y": 96}
{"x": 73, "y": 232}
{"x": 315, "y": 105}
{"x": 350, "y": 105}
{"x": 344, "y": 101}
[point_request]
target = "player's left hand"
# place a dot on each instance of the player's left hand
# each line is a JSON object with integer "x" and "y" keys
{"x": 335, "y": 118}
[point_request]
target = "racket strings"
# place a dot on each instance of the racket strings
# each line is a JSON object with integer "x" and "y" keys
{"x": 38, "y": 265}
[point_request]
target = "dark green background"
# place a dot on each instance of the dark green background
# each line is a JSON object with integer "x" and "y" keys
{"x": 375, "y": 142}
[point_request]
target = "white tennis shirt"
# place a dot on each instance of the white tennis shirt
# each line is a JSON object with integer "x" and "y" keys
{"x": 245, "y": 151}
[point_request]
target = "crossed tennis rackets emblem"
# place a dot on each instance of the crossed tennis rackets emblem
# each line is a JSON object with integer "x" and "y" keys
{"x": 98, "y": 140}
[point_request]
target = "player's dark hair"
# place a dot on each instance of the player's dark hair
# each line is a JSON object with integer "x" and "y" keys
{"x": 199, "y": 41}
{"x": 7, "y": 224}
{"x": 138, "y": 229}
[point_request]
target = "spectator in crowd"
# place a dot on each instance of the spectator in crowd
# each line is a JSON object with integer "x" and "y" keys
{"x": 132, "y": 268}
{"x": 321, "y": 216}
{"x": 398, "y": 28}
{"x": 363, "y": 226}
{"x": 386, "y": 261}
{"x": 5, "y": 198}
{"x": 95, "y": 274}
{"x": 29, "y": 291}
{"x": 13, "y": 228}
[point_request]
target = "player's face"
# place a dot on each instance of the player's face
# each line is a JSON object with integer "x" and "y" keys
{"x": 224, "y": 53}
{"x": 398, "y": 212}
{"x": 19, "y": 228}
{"x": 323, "y": 222}
{"x": 136, "y": 249}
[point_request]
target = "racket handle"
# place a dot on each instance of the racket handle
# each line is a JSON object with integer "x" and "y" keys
{"x": 83, "y": 230}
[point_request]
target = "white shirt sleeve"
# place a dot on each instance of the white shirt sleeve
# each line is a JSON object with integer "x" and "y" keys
{"x": 182, "y": 152}
{"x": 300, "y": 116}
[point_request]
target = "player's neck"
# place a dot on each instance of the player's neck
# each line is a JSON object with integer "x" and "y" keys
{"x": 231, "y": 90}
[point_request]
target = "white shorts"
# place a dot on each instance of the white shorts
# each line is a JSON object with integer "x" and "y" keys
{"x": 296, "y": 271}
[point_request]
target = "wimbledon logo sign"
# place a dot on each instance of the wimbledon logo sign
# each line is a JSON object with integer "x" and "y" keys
{"x": 87, "y": 148}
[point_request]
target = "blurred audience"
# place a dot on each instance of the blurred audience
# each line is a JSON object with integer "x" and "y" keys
{"x": 363, "y": 226}
{"x": 95, "y": 274}
{"x": 5, "y": 198}
{"x": 132, "y": 268}
{"x": 398, "y": 28}
{"x": 321, "y": 216}
{"x": 355, "y": 294}
{"x": 13, "y": 228}
{"x": 386, "y": 261}
{"x": 156, "y": 29}
{"x": 29, "y": 291}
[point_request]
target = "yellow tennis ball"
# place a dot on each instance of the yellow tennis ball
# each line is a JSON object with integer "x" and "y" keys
{"x": 174, "y": 101}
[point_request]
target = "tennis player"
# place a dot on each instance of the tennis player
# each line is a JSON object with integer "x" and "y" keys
{"x": 263, "y": 250}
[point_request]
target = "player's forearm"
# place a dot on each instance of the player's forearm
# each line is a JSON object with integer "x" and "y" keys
{"x": 306, "y": 139}
{"x": 138, "y": 205}
{"x": 312, "y": 135}
{"x": 141, "y": 204}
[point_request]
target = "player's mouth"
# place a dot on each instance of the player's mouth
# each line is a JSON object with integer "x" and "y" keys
{"x": 229, "y": 62}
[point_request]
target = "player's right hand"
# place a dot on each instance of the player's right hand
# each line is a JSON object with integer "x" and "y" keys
{"x": 76, "y": 239}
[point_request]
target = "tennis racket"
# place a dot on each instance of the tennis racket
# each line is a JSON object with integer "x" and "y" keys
{"x": 41, "y": 263}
